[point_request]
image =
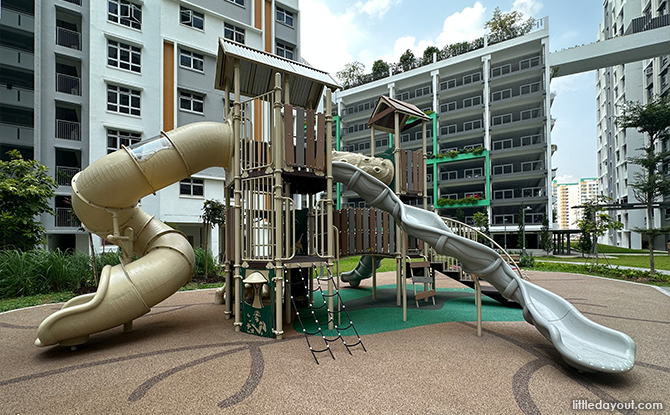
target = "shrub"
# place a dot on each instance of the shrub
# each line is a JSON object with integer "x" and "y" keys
{"x": 212, "y": 263}
{"x": 527, "y": 261}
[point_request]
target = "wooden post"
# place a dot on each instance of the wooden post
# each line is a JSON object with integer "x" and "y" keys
{"x": 278, "y": 211}
{"x": 238, "y": 198}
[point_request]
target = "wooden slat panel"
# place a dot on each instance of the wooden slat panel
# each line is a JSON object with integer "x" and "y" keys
{"x": 386, "y": 232}
{"x": 300, "y": 137}
{"x": 391, "y": 227}
{"x": 321, "y": 142}
{"x": 352, "y": 225}
{"x": 419, "y": 264}
{"x": 344, "y": 232}
{"x": 408, "y": 170}
{"x": 359, "y": 230}
{"x": 309, "y": 151}
{"x": 373, "y": 234}
{"x": 417, "y": 184}
{"x": 288, "y": 135}
{"x": 403, "y": 169}
{"x": 365, "y": 229}
{"x": 379, "y": 232}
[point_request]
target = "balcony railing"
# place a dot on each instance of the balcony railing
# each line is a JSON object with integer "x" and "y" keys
{"x": 66, "y": 219}
{"x": 68, "y": 38}
{"x": 64, "y": 175}
{"x": 68, "y": 130}
{"x": 524, "y": 141}
{"x": 68, "y": 84}
{"x": 461, "y": 174}
{"x": 525, "y": 167}
{"x": 526, "y": 192}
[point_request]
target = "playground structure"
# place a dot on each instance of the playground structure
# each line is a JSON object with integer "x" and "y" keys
{"x": 275, "y": 146}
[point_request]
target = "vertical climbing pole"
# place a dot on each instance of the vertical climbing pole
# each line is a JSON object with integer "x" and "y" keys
{"x": 329, "y": 197}
{"x": 237, "y": 188}
{"x": 400, "y": 239}
{"x": 278, "y": 145}
{"x": 424, "y": 191}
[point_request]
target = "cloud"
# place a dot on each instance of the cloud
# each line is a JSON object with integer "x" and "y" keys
{"x": 566, "y": 178}
{"x": 318, "y": 21}
{"x": 574, "y": 83}
{"x": 529, "y": 8}
{"x": 463, "y": 26}
{"x": 375, "y": 8}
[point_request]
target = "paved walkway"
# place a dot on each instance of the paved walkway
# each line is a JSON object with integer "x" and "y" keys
{"x": 184, "y": 357}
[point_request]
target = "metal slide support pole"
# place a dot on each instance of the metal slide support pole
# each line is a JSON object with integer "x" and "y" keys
{"x": 329, "y": 197}
{"x": 228, "y": 310}
{"x": 237, "y": 188}
{"x": 425, "y": 181}
{"x": 478, "y": 304}
{"x": 278, "y": 146}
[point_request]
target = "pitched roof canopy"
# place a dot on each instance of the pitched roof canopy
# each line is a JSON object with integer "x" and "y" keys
{"x": 383, "y": 116}
{"x": 257, "y": 69}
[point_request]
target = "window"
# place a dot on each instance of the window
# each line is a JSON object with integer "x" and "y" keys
{"x": 285, "y": 51}
{"x": 125, "y": 13}
{"x": 123, "y": 56}
{"x": 191, "y": 18}
{"x": 191, "y": 60}
{"x": 123, "y": 100}
{"x": 118, "y": 138}
{"x": 285, "y": 16}
{"x": 191, "y": 102}
{"x": 240, "y": 2}
{"x": 192, "y": 187}
{"x": 233, "y": 33}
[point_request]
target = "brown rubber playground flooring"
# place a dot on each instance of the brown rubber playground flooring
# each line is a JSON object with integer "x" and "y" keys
{"x": 185, "y": 358}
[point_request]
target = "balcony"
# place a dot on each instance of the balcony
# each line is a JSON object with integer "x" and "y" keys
{"x": 68, "y": 38}
{"x": 525, "y": 167}
{"x": 65, "y": 218}
{"x": 516, "y": 117}
{"x": 77, "y": 2}
{"x": 521, "y": 65}
{"x": 468, "y": 126}
{"x": 518, "y": 142}
{"x": 68, "y": 84}
{"x": 65, "y": 174}
{"x": 68, "y": 130}
{"x": 464, "y": 174}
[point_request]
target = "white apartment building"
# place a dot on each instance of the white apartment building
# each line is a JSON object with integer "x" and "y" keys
{"x": 638, "y": 81}
{"x": 570, "y": 195}
{"x": 495, "y": 99}
{"x": 82, "y": 78}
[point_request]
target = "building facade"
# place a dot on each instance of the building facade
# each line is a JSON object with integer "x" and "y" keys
{"x": 490, "y": 138}
{"x": 81, "y": 79}
{"x": 569, "y": 195}
{"x": 638, "y": 81}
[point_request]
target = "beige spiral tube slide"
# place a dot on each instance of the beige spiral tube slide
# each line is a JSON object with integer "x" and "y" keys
{"x": 105, "y": 198}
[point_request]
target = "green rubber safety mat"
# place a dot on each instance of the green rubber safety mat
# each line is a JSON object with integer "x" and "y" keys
{"x": 382, "y": 314}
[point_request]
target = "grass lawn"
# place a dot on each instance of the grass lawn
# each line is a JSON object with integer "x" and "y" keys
{"x": 609, "y": 249}
{"x": 661, "y": 261}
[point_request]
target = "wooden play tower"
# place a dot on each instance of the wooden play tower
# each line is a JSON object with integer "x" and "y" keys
{"x": 281, "y": 149}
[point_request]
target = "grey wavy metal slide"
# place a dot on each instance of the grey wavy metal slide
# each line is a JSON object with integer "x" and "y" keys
{"x": 582, "y": 343}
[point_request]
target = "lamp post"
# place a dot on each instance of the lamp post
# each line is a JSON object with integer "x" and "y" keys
{"x": 505, "y": 224}
{"x": 523, "y": 231}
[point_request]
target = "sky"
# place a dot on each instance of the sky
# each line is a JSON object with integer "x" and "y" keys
{"x": 337, "y": 32}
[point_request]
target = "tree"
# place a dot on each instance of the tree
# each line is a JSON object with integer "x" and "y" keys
{"x": 546, "y": 244}
{"x": 505, "y": 26}
{"x": 428, "y": 54}
{"x": 595, "y": 222}
{"x": 407, "y": 61}
{"x": 522, "y": 227}
{"x": 482, "y": 222}
{"x": 351, "y": 74}
{"x": 214, "y": 213}
{"x": 380, "y": 69}
{"x": 25, "y": 191}
{"x": 460, "y": 215}
{"x": 652, "y": 119}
